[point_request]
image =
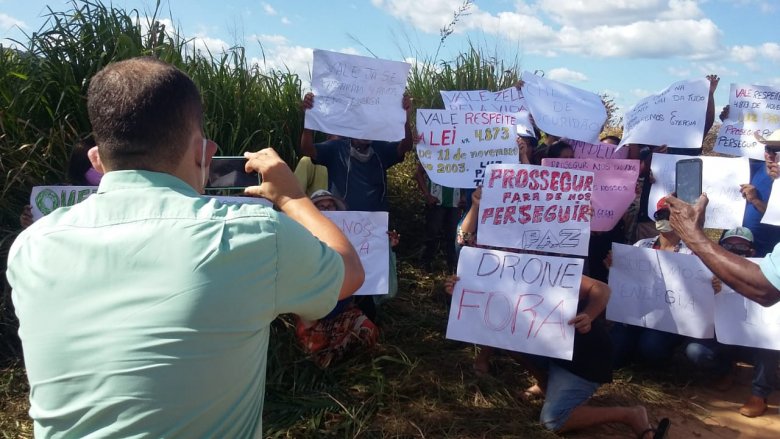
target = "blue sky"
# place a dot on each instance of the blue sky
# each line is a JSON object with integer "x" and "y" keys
{"x": 627, "y": 48}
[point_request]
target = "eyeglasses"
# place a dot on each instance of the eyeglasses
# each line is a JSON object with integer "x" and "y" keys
{"x": 662, "y": 214}
{"x": 739, "y": 249}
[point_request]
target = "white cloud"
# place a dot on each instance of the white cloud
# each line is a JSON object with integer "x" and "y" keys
{"x": 640, "y": 92}
{"x": 7, "y": 22}
{"x": 428, "y": 16}
{"x": 277, "y": 40}
{"x": 586, "y": 14}
{"x": 565, "y": 75}
{"x": 204, "y": 44}
{"x": 268, "y": 9}
{"x": 681, "y": 72}
{"x": 286, "y": 20}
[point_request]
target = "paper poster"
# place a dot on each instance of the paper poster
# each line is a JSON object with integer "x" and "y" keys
{"x": 357, "y": 96}
{"x": 536, "y": 208}
{"x": 367, "y": 231}
{"x": 743, "y": 322}
{"x": 662, "y": 290}
{"x": 752, "y": 108}
{"x": 772, "y": 214}
{"x": 721, "y": 178}
{"x": 563, "y": 110}
{"x": 519, "y": 302}
{"x": 673, "y": 117}
{"x": 614, "y": 187}
{"x": 45, "y": 199}
{"x": 455, "y": 147}
{"x": 508, "y": 100}
{"x": 601, "y": 150}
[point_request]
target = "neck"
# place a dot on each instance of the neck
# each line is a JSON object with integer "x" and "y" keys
{"x": 669, "y": 239}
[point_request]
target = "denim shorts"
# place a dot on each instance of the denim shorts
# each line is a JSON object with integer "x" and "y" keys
{"x": 565, "y": 392}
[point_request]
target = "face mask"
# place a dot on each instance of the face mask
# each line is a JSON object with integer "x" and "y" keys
{"x": 203, "y": 163}
{"x": 93, "y": 177}
{"x": 362, "y": 157}
{"x": 663, "y": 226}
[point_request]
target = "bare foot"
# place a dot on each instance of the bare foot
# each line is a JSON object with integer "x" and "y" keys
{"x": 639, "y": 422}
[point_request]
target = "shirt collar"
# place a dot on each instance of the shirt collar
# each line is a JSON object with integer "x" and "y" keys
{"x": 136, "y": 179}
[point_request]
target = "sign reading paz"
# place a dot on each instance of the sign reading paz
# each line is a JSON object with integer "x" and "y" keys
{"x": 662, "y": 290}
{"x": 563, "y": 110}
{"x": 357, "y": 96}
{"x": 513, "y": 301}
{"x": 673, "y": 117}
{"x": 536, "y": 208}
{"x": 455, "y": 147}
{"x": 45, "y": 199}
{"x": 752, "y": 109}
{"x": 721, "y": 177}
{"x": 614, "y": 187}
{"x": 367, "y": 231}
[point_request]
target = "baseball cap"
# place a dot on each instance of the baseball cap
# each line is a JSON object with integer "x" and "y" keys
{"x": 738, "y": 232}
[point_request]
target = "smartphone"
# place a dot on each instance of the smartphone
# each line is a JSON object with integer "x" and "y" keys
{"x": 687, "y": 180}
{"x": 227, "y": 172}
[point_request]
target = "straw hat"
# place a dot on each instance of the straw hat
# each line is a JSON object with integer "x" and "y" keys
{"x": 772, "y": 140}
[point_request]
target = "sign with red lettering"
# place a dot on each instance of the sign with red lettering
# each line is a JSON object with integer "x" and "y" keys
{"x": 367, "y": 231}
{"x": 357, "y": 96}
{"x": 536, "y": 208}
{"x": 564, "y": 110}
{"x": 673, "y": 117}
{"x": 514, "y": 301}
{"x": 662, "y": 290}
{"x": 601, "y": 150}
{"x": 455, "y": 147}
{"x": 721, "y": 179}
{"x": 614, "y": 187}
{"x": 752, "y": 109}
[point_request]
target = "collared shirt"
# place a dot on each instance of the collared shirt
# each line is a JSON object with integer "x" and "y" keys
{"x": 144, "y": 311}
{"x": 655, "y": 244}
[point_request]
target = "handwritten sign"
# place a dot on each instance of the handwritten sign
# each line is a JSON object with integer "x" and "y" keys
{"x": 721, "y": 178}
{"x": 772, "y": 214}
{"x": 508, "y": 100}
{"x": 357, "y": 96}
{"x": 673, "y": 117}
{"x": 752, "y": 108}
{"x": 455, "y": 147}
{"x": 614, "y": 187}
{"x": 367, "y": 231}
{"x": 536, "y": 208}
{"x": 601, "y": 150}
{"x": 513, "y": 301}
{"x": 662, "y": 290}
{"x": 740, "y": 321}
{"x": 45, "y": 199}
{"x": 563, "y": 110}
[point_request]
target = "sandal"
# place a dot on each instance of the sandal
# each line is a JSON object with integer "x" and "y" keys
{"x": 658, "y": 432}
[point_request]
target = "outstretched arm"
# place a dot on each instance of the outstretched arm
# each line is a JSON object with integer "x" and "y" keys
{"x": 745, "y": 277}
{"x": 709, "y": 119}
{"x": 406, "y": 144}
{"x": 307, "y": 136}
{"x": 597, "y": 294}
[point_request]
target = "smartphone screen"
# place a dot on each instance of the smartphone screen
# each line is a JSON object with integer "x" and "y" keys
{"x": 229, "y": 173}
{"x": 687, "y": 180}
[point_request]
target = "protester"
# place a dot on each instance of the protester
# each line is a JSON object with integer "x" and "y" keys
{"x": 719, "y": 358}
{"x": 646, "y": 344}
{"x": 145, "y": 310}
{"x": 760, "y": 283}
{"x": 560, "y": 150}
{"x": 567, "y": 385}
{"x": 442, "y": 213}
{"x": 756, "y": 195}
{"x": 345, "y": 328}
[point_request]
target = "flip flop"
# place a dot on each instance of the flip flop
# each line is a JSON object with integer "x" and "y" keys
{"x": 658, "y": 432}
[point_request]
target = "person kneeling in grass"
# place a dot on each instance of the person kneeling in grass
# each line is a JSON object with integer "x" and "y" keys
{"x": 568, "y": 385}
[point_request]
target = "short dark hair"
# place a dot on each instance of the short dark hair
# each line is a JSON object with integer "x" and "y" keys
{"x": 142, "y": 112}
{"x": 612, "y": 138}
{"x": 79, "y": 162}
{"x": 557, "y": 148}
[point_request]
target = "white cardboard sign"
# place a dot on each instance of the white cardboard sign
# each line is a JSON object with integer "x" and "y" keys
{"x": 673, "y": 117}
{"x": 752, "y": 108}
{"x": 519, "y": 302}
{"x": 45, "y": 199}
{"x": 563, "y": 110}
{"x": 721, "y": 177}
{"x": 367, "y": 231}
{"x": 662, "y": 290}
{"x": 357, "y": 96}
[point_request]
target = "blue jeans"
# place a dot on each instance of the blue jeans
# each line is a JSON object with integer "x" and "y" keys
{"x": 565, "y": 392}
{"x": 641, "y": 344}
{"x": 718, "y": 358}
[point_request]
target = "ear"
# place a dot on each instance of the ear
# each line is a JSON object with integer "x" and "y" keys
{"x": 94, "y": 158}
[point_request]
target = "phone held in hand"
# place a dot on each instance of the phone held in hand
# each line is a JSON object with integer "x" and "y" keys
{"x": 228, "y": 172}
{"x": 687, "y": 179}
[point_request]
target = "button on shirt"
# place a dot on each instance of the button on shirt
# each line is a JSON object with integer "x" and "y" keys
{"x": 144, "y": 311}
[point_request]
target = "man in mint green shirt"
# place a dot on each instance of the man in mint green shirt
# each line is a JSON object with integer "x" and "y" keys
{"x": 144, "y": 311}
